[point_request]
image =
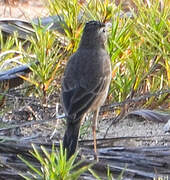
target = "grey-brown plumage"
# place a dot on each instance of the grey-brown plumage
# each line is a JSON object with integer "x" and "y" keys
{"x": 85, "y": 82}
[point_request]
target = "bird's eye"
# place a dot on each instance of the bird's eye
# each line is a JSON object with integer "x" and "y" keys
{"x": 102, "y": 30}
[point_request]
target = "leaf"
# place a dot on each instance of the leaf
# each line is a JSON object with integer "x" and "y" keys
{"x": 150, "y": 115}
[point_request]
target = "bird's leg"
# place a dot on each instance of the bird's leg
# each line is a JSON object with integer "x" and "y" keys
{"x": 94, "y": 125}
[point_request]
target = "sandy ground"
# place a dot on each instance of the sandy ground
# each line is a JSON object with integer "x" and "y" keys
{"x": 150, "y": 133}
{"x": 25, "y": 10}
{"x": 131, "y": 132}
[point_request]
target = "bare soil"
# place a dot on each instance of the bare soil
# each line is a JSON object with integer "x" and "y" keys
{"x": 25, "y": 9}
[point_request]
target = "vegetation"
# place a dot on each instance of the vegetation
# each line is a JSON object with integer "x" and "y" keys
{"x": 138, "y": 46}
{"x": 54, "y": 165}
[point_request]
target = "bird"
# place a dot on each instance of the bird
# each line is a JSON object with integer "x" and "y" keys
{"x": 85, "y": 83}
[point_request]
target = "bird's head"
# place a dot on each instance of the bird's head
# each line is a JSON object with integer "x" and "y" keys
{"x": 94, "y": 34}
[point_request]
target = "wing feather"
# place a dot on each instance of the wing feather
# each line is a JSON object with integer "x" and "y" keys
{"x": 79, "y": 99}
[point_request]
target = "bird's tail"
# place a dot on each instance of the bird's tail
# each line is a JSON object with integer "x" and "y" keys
{"x": 71, "y": 138}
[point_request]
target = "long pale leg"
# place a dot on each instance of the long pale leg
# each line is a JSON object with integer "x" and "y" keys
{"x": 94, "y": 125}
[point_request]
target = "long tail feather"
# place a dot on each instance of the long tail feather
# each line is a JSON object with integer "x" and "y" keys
{"x": 71, "y": 138}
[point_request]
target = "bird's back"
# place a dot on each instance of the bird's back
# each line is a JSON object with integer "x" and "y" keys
{"x": 88, "y": 69}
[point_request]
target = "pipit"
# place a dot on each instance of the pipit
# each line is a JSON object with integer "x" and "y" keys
{"x": 85, "y": 83}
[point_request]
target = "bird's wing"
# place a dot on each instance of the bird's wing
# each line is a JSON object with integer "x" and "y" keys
{"x": 78, "y": 100}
